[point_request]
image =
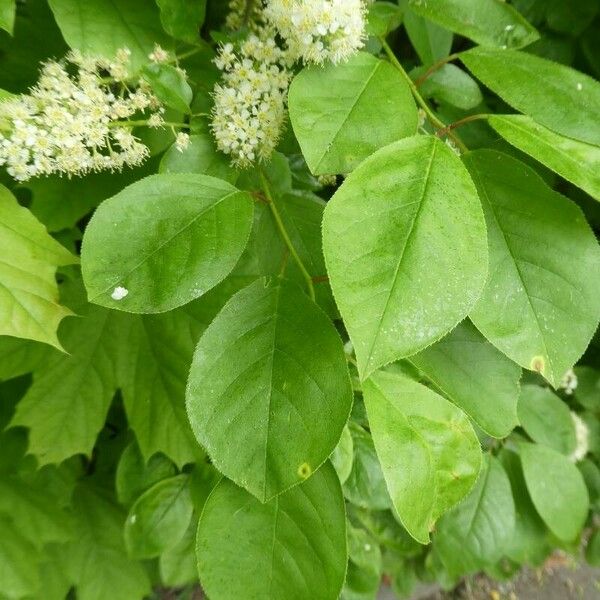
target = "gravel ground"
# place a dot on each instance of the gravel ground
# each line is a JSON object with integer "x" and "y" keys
{"x": 560, "y": 579}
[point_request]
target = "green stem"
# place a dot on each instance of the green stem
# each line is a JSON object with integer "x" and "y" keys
{"x": 285, "y": 236}
{"x": 435, "y": 66}
{"x": 433, "y": 119}
{"x": 461, "y": 122}
{"x": 187, "y": 54}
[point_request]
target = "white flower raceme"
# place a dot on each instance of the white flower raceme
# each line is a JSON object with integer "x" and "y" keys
{"x": 74, "y": 123}
{"x": 318, "y": 31}
{"x": 249, "y": 110}
{"x": 582, "y": 436}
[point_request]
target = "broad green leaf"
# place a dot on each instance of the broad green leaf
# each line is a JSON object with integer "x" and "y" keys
{"x": 477, "y": 532}
{"x": 63, "y": 414}
{"x": 166, "y": 240}
{"x": 34, "y": 512}
{"x": 7, "y": 15}
{"x": 279, "y": 381}
{"x": 159, "y": 518}
{"x": 296, "y": 542}
{"x": 101, "y": 27}
{"x": 592, "y": 550}
{"x": 134, "y": 476}
{"x": 587, "y": 392}
{"x": 343, "y": 456}
{"x": 475, "y": 376}
{"x": 578, "y": 162}
{"x": 430, "y": 41}
{"x": 302, "y": 215}
{"x": 177, "y": 565}
{"x": 169, "y": 85}
{"x": 571, "y": 17}
{"x": 365, "y": 486}
{"x": 591, "y": 476}
{"x": 203, "y": 479}
{"x": 557, "y": 490}
{"x": 18, "y": 557}
{"x": 201, "y": 157}
{"x": 363, "y": 577}
{"x": 407, "y": 219}
{"x": 451, "y": 85}
{"x": 99, "y": 563}
{"x": 155, "y": 364}
{"x": 19, "y": 356}
{"x": 383, "y": 18}
{"x": 29, "y": 304}
{"x": 539, "y": 306}
{"x": 530, "y": 542}
{"x": 428, "y": 450}
{"x": 487, "y": 22}
{"x": 558, "y": 97}
{"x": 546, "y": 419}
{"x": 183, "y": 18}
{"x": 343, "y": 113}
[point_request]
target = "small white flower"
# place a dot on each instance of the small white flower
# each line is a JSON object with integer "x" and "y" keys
{"x": 119, "y": 293}
{"x": 182, "y": 141}
{"x": 159, "y": 54}
{"x": 569, "y": 382}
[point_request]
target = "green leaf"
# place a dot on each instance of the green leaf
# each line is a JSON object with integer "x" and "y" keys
{"x": 430, "y": 41}
{"x": 587, "y": 392}
{"x": 475, "y": 376}
{"x": 154, "y": 368}
{"x": 529, "y": 543}
{"x": 363, "y": 577}
{"x": 279, "y": 382}
{"x": 297, "y": 542}
{"x": 428, "y": 450}
{"x": 365, "y": 486}
{"x": 343, "y": 113}
{"x": 63, "y": 415}
{"x": 99, "y": 563}
{"x": 201, "y": 157}
{"x": 383, "y": 18}
{"x": 7, "y": 15}
{"x": 183, "y": 19}
{"x": 486, "y": 22}
{"x": 166, "y": 239}
{"x": 539, "y": 306}
{"x": 177, "y": 565}
{"x": 34, "y": 512}
{"x": 343, "y": 455}
{"x": 29, "y": 304}
{"x": 101, "y": 27}
{"x": 578, "y": 162}
{"x": 134, "y": 476}
{"x": 558, "y": 97}
{"x": 169, "y": 85}
{"x": 407, "y": 219}
{"x": 476, "y": 533}
{"x": 557, "y": 490}
{"x": 19, "y": 578}
{"x": 591, "y": 476}
{"x": 592, "y": 550}
{"x": 547, "y": 419}
{"x": 19, "y": 356}
{"x": 451, "y": 85}
{"x": 159, "y": 518}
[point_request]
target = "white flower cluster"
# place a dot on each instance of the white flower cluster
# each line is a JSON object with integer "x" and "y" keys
{"x": 569, "y": 382}
{"x": 582, "y": 437}
{"x": 249, "y": 110}
{"x": 74, "y": 123}
{"x": 317, "y": 31}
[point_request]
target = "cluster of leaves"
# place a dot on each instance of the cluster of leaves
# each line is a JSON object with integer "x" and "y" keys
{"x": 308, "y": 387}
